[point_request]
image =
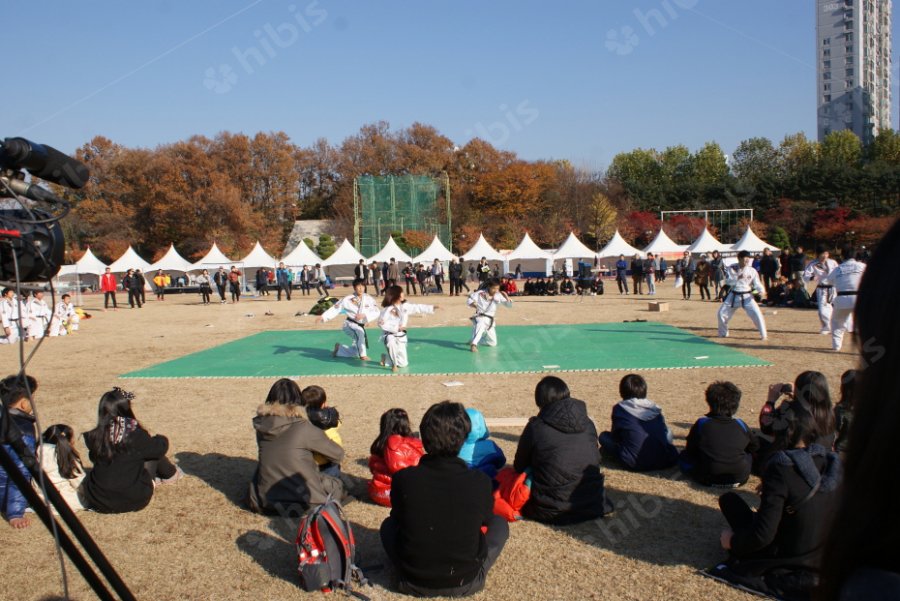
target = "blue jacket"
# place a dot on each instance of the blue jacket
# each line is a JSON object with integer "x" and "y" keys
{"x": 643, "y": 439}
{"x": 621, "y": 268}
{"x": 282, "y": 277}
{"x": 12, "y": 501}
{"x": 479, "y": 451}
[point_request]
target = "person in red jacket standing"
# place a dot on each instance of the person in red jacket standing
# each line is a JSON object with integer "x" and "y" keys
{"x": 108, "y": 285}
{"x": 395, "y": 448}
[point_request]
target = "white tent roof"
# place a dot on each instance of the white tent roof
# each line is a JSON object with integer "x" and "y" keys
{"x": 129, "y": 260}
{"x": 663, "y": 244}
{"x": 482, "y": 249}
{"x": 572, "y": 248}
{"x": 344, "y": 255}
{"x": 391, "y": 251}
{"x": 527, "y": 249}
{"x": 213, "y": 259}
{"x": 706, "y": 243}
{"x": 172, "y": 261}
{"x": 435, "y": 250}
{"x": 89, "y": 263}
{"x": 617, "y": 246}
{"x": 751, "y": 242}
{"x": 258, "y": 257}
{"x": 301, "y": 255}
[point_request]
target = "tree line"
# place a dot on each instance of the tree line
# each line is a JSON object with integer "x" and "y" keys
{"x": 234, "y": 189}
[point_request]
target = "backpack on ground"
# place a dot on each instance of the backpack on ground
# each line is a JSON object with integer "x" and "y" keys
{"x": 326, "y": 551}
{"x": 323, "y": 304}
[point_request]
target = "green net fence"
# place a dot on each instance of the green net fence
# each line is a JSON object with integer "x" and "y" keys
{"x": 399, "y": 203}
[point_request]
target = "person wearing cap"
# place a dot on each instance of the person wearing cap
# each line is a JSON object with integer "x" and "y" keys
{"x": 816, "y": 272}
{"x": 744, "y": 284}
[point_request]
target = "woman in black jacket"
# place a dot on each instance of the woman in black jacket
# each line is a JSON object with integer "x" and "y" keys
{"x": 560, "y": 447}
{"x": 128, "y": 462}
{"x": 777, "y": 549}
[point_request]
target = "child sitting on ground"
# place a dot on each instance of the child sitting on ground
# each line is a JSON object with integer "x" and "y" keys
{"x": 325, "y": 418}
{"x": 17, "y": 406}
{"x": 62, "y": 463}
{"x": 395, "y": 448}
{"x": 479, "y": 451}
{"x": 639, "y": 438}
{"x": 719, "y": 446}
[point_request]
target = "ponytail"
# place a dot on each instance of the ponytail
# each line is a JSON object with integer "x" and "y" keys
{"x": 67, "y": 458}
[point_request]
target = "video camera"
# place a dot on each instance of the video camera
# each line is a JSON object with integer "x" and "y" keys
{"x": 32, "y": 245}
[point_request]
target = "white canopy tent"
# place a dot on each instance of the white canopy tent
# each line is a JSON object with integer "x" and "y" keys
{"x": 706, "y": 243}
{"x": 617, "y": 246}
{"x": 172, "y": 261}
{"x": 258, "y": 258}
{"x": 751, "y": 243}
{"x": 435, "y": 250}
{"x": 129, "y": 260}
{"x": 300, "y": 256}
{"x": 530, "y": 257}
{"x": 573, "y": 248}
{"x": 89, "y": 263}
{"x": 341, "y": 263}
{"x": 212, "y": 260}
{"x": 482, "y": 249}
{"x": 390, "y": 251}
{"x": 663, "y": 245}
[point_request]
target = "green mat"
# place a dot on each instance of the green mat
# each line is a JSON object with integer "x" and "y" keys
{"x": 522, "y": 349}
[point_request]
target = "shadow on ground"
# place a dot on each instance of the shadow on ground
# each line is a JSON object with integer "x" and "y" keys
{"x": 229, "y": 475}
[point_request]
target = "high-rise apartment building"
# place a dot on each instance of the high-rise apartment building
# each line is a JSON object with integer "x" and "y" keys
{"x": 853, "y": 56}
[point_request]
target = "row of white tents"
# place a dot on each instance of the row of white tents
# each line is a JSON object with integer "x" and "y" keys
{"x": 529, "y": 255}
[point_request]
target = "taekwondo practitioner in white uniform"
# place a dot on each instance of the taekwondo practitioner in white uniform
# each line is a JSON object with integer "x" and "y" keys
{"x": 9, "y": 317}
{"x": 360, "y": 309}
{"x": 845, "y": 278}
{"x": 393, "y": 322}
{"x": 64, "y": 317}
{"x": 39, "y": 314}
{"x": 816, "y": 272}
{"x": 744, "y": 282}
{"x": 485, "y": 302}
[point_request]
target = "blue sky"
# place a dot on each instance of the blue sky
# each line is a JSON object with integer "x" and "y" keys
{"x": 579, "y": 80}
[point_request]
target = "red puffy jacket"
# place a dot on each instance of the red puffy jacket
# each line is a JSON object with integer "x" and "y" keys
{"x": 400, "y": 452}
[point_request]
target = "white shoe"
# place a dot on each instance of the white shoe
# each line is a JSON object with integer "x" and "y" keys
{"x": 824, "y": 332}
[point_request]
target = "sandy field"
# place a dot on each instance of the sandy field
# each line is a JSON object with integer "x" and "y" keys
{"x": 197, "y": 541}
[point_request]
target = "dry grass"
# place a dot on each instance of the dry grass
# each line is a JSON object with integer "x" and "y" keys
{"x": 195, "y": 540}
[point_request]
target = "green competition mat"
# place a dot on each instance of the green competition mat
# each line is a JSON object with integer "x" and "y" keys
{"x": 445, "y": 350}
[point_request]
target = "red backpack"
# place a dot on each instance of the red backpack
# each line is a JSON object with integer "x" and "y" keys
{"x": 326, "y": 551}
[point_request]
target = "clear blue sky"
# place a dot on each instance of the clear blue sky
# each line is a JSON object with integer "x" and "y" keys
{"x": 579, "y": 80}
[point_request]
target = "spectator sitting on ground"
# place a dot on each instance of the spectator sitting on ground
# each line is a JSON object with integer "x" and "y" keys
{"x": 287, "y": 479}
{"x": 798, "y": 296}
{"x": 442, "y": 535}
{"x": 17, "y": 406}
{"x": 720, "y": 447}
{"x": 479, "y": 451}
{"x": 566, "y": 287}
{"x": 559, "y": 447}
{"x": 640, "y": 438}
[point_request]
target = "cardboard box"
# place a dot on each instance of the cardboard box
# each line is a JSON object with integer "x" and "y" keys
{"x": 659, "y": 307}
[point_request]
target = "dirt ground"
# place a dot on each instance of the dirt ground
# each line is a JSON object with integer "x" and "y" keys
{"x": 196, "y": 540}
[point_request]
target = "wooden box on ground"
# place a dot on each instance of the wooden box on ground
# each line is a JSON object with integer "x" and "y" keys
{"x": 659, "y": 306}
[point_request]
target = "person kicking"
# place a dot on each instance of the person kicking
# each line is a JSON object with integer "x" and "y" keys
{"x": 485, "y": 302}
{"x": 360, "y": 309}
{"x": 744, "y": 283}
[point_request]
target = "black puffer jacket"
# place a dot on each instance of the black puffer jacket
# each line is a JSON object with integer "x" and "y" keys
{"x": 560, "y": 446}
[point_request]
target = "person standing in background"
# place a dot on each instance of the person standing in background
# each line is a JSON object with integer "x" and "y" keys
{"x": 108, "y": 285}
{"x": 650, "y": 273}
{"x": 637, "y": 274}
{"x": 221, "y": 280}
{"x": 768, "y": 269}
{"x": 283, "y": 281}
{"x": 798, "y": 264}
{"x": 361, "y": 272}
{"x": 622, "y": 274}
{"x": 234, "y": 283}
{"x": 437, "y": 272}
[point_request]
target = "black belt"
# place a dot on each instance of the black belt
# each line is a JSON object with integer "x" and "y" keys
{"x": 826, "y": 287}
{"x": 363, "y": 326}
{"x": 848, "y": 293}
{"x": 477, "y": 315}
